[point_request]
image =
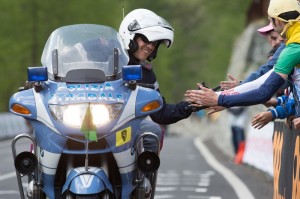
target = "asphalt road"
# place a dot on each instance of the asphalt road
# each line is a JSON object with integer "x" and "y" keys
{"x": 193, "y": 169}
{"x": 190, "y": 169}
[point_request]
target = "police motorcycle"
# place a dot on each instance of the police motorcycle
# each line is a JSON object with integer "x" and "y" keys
{"x": 85, "y": 108}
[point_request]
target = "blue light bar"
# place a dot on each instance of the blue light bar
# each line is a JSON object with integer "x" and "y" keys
{"x": 36, "y": 74}
{"x": 132, "y": 72}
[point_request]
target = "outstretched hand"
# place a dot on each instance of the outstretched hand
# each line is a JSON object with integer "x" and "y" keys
{"x": 262, "y": 119}
{"x": 226, "y": 85}
{"x": 271, "y": 102}
{"x": 296, "y": 122}
{"x": 202, "y": 97}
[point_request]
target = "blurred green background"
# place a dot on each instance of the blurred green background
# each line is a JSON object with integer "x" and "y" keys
{"x": 205, "y": 31}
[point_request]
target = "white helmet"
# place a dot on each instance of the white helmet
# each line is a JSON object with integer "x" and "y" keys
{"x": 277, "y": 7}
{"x": 147, "y": 23}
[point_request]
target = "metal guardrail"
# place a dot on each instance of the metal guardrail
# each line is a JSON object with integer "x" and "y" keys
{"x": 12, "y": 125}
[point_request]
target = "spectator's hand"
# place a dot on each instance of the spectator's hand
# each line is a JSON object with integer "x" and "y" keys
{"x": 262, "y": 119}
{"x": 214, "y": 109}
{"x": 296, "y": 122}
{"x": 225, "y": 85}
{"x": 202, "y": 97}
{"x": 271, "y": 102}
{"x": 289, "y": 121}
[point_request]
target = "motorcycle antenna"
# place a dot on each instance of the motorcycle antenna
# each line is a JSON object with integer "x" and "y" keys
{"x": 86, "y": 162}
{"x": 123, "y": 9}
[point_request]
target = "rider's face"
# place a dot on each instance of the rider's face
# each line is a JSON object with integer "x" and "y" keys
{"x": 145, "y": 48}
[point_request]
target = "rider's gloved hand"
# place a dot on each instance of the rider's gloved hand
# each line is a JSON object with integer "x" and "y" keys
{"x": 192, "y": 108}
{"x": 28, "y": 85}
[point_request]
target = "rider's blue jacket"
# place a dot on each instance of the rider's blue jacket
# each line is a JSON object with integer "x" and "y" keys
{"x": 170, "y": 113}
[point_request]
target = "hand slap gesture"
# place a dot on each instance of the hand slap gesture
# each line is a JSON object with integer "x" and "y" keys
{"x": 202, "y": 97}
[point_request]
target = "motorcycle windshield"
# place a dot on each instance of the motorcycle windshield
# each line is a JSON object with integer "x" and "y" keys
{"x": 84, "y": 53}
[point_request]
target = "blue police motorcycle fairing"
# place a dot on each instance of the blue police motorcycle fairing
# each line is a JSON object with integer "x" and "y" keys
{"x": 85, "y": 108}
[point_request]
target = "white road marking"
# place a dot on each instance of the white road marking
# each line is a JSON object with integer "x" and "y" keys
{"x": 167, "y": 183}
{"x": 7, "y": 176}
{"x": 163, "y": 196}
{"x": 204, "y": 197}
{"x": 238, "y": 186}
{"x": 8, "y": 192}
{"x": 162, "y": 189}
{"x": 194, "y": 189}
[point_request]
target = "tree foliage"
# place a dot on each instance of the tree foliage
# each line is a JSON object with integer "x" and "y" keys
{"x": 204, "y": 36}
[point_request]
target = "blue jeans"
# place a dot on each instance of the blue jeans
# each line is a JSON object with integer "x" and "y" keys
{"x": 238, "y": 136}
{"x": 150, "y": 142}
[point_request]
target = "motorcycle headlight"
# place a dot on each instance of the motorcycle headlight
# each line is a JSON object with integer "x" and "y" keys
{"x": 73, "y": 114}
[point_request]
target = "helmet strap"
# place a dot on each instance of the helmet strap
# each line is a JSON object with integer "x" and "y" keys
{"x": 154, "y": 53}
{"x": 133, "y": 46}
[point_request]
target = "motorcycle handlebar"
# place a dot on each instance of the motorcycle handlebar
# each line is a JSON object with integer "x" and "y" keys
{"x": 146, "y": 85}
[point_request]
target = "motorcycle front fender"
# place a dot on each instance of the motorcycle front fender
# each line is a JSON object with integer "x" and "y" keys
{"x": 92, "y": 181}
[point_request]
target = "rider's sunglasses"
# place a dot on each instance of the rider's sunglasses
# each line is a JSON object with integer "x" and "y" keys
{"x": 146, "y": 41}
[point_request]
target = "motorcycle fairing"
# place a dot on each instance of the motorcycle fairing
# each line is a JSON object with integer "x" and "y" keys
{"x": 125, "y": 161}
{"x": 92, "y": 181}
{"x": 65, "y": 93}
{"x": 43, "y": 114}
{"x": 26, "y": 99}
{"x": 48, "y": 161}
{"x": 50, "y": 185}
{"x": 140, "y": 97}
{"x": 127, "y": 183}
{"x": 128, "y": 111}
{"x": 48, "y": 139}
{"x": 123, "y": 138}
{"x": 125, "y": 96}
{"x": 143, "y": 97}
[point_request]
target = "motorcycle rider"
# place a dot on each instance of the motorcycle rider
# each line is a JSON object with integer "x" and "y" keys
{"x": 143, "y": 32}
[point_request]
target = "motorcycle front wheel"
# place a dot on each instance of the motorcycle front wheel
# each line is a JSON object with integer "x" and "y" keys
{"x": 91, "y": 196}
{"x": 38, "y": 194}
{"x": 87, "y": 196}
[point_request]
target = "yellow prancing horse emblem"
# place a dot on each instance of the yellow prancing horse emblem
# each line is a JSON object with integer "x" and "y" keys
{"x": 123, "y": 136}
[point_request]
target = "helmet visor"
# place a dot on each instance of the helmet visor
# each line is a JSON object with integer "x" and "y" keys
{"x": 149, "y": 22}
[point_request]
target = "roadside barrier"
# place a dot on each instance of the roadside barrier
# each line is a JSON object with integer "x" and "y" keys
{"x": 275, "y": 149}
{"x": 259, "y": 148}
{"x": 286, "y": 162}
{"x": 12, "y": 125}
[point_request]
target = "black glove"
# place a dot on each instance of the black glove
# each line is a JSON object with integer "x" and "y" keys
{"x": 28, "y": 85}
